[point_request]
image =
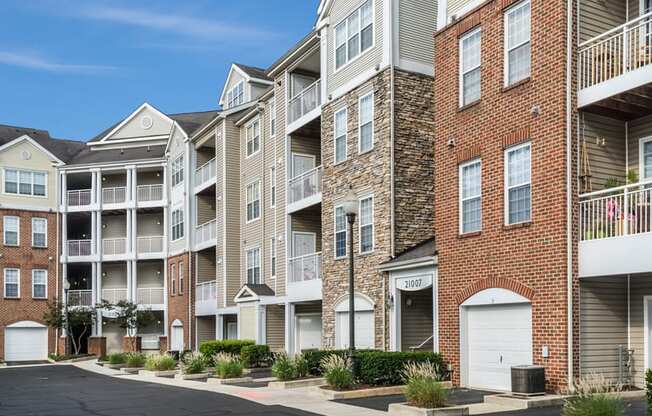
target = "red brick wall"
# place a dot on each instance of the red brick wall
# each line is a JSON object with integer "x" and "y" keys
{"x": 26, "y": 258}
{"x": 529, "y": 259}
{"x": 178, "y": 303}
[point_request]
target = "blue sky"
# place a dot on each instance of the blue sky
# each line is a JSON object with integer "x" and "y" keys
{"x": 75, "y": 67}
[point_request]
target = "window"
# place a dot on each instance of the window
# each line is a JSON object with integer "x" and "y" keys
{"x": 235, "y": 96}
{"x": 253, "y": 266}
{"x": 366, "y": 127}
{"x": 272, "y": 186}
{"x": 272, "y": 248}
{"x": 367, "y": 224}
{"x": 11, "y": 227}
{"x": 39, "y": 232}
{"x": 173, "y": 279}
{"x": 340, "y": 135}
{"x": 181, "y": 277}
{"x": 272, "y": 118}
{"x": 25, "y": 182}
{"x": 470, "y": 61}
{"x": 12, "y": 283}
{"x": 471, "y": 197}
{"x": 517, "y": 43}
{"x": 253, "y": 138}
{"x": 354, "y": 35}
{"x": 253, "y": 201}
{"x": 177, "y": 171}
{"x": 646, "y": 158}
{"x": 518, "y": 184}
{"x": 177, "y": 224}
{"x": 39, "y": 284}
{"x": 340, "y": 232}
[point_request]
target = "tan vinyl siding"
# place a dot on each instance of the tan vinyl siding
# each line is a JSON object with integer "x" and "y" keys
{"x": 205, "y": 265}
{"x": 598, "y": 16}
{"x": 205, "y": 208}
{"x": 307, "y": 146}
{"x": 272, "y": 151}
{"x": 417, "y": 21}
{"x": 640, "y": 286}
{"x": 205, "y": 329}
{"x": 275, "y": 327}
{"x": 312, "y": 307}
{"x": 416, "y": 320}
{"x": 204, "y": 154}
{"x": 454, "y": 6}
{"x": 114, "y": 180}
{"x": 279, "y": 212}
{"x": 606, "y": 161}
{"x": 232, "y": 212}
{"x": 309, "y": 221}
{"x": 637, "y": 130}
{"x": 220, "y": 214}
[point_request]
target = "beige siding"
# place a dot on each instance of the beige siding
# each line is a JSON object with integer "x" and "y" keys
{"x": 309, "y": 221}
{"x": 134, "y": 129}
{"x": 606, "y": 161}
{"x": 204, "y": 154}
{"x": 641, "y": 286}
{"x": 307, "y": 146}
{"x": 114, "y": 275}
{"x": 279, "y": 212}
{"x": 206, "y": 266}
{"x": 205, "y": 208}
{"x": 149, "y": 225}
{"x": 275, "y": 327}
{"x": 417, "y": 22}
{"x": 114, "y": 226}
{"x": 247, "y": 322}
{"x": 598, "y": 16}
{"x": 149, "y": 273}
{"x": 220, "y": 214}
{"x": 416, "y": 320}
{"x": 205, "y": 328}
{"x": 454, "y": 6}
{"x": 637, "y": 130}
{"x": 312, "y": 307}
{"x": 232, "y": 211}
{"x": 114, "y": 180}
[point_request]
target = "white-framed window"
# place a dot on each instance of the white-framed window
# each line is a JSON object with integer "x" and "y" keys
{"x": 181, "y": 277}
{"x": 366, "y": 123}
{"x": 645, "y": 151}
{"x": 471, "y": 197}
{"x": 235, "y": 96}
{"x": 177, "y": 171}
{"x": 177, "y": 224}
{"x": 470, "y": 63}
{"x": 173, "y": 279}
{"x": 518, "y": 185}
{"x": 39, "y": 232}
{"x": 12, "y": 283}
{"x": 39, "y": 284}
{"x": 253, "y": 266}
{"x": 253, "y": 138}
{"x": 25, "y": 182}
{"x": 272, "y": 117}
{"x": 340, "y": 133}
{"x": 272, "y": 186}
{"x": 340, "y": 232}
{"x": 253, "y": 201}
{"x": 272, "y": 249}
{"x": 11, "y": 230}
{"x": 366, "y": 224}
{"x": 354, "y": 35}
{"x": 517, "y": 43}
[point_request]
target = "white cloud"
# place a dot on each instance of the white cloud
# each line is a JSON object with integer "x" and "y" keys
{"x": 30, "y": 61}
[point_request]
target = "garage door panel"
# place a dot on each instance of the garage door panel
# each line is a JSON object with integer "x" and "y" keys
{"x": 26, "y": 344}
{"x": 308, "y": 332}
{"x": 364, "y": 329}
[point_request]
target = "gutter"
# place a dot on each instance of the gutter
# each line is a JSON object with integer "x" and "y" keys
{"x": 569, "y": 191}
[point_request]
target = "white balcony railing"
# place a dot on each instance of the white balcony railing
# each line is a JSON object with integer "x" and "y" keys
{"x": 149, "y": 295}
{"x": 79, "y": 247}
{"x": 116, "y": 195}
{"x": 305, "y": 185}
{"x": 205, "y": 172}
{"x": 616, "y": 212}
{"x": 114, "y": 246}
{"x": 79, "y": 198}
{"x": 149, "y": 193}
{"x": 305, "y": 268}
{"x": 206, "y": 232}
{"x": 114, "y": 296}
{"x": 206, "y": 291}
{"x": 153, "y": 244}
{"x": 616, "y": 52}
{"x": 304, "y": 102}
{"x": 80, "y": 297}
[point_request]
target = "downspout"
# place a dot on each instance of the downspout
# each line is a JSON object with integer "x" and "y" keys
{"x": 392, "y": 231}
{"x": 569, "y": 190}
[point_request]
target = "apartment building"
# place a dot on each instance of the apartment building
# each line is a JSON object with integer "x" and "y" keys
{"x": 542, "y": 110}
{"x": 29, "y": 248}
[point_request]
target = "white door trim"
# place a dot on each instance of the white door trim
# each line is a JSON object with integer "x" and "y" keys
{"x": 646, "y": 331}
{"x": 641, "y": 156}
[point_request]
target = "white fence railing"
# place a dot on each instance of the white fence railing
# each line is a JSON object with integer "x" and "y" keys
{"x": 305, "y": 185}
{"x": 149, "y": 295}
{"x": 116, "y": 195}
{"x": 149, "y": 193}
{"x": 205, "y": 172}
{"x": 114, "y": 296}
{"x": 206, "y": 232}
{"x": 616, "y": 52}
{"x": 152, "y": 244}
{"x": 114, "y": 246}
{"x": 80, "y": 297}
{"x": 206, "y": 291}
{"x": 622, "y": 211}
{"x": 304, "y": 102}
{"x": 79, "y": 247}
{"x": 305, "y": 268}
{"x": 79, "y": 198}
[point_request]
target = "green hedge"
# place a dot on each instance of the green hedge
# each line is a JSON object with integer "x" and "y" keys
{"x": 378, "y": 368}
{"x": 231, "y": 346}
{"x": 648, "y": 389}
{"x": 314, "y": 357}
{"x": 255, "y": 356}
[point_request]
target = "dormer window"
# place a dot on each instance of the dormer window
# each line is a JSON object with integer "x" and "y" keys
{"x": 354, "y": 35}
{"x": 235, "y": 96}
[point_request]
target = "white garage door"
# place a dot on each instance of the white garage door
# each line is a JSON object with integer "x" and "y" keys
{"x": 364, "y": 329}
{"x": 498, "y": 337}
{"x": 26, "y": 342}
{"x": 308, "y": 332}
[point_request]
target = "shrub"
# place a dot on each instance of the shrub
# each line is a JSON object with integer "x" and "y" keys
{"x": 423, "y": 388}
{"x": 117, "y": 358}
{"x": 596, "y": 383}
{"x": 230, "y": 346}
{"x": 379, "y": 368}
{"x": 193, "y": 363}
{"x": 227, "y": 365}
{"x": 301, "y": 366}
{"x": 337, "y": 372}
{"x": 255, "y": 356}
{"x": 648, "y": 389}
{"x": 593, "y": 405}
{"x": 314, "y": 358}
{"x": 160, "y": 363}
{"x": 283, "y": 368}
{"x": 135, "y": 360}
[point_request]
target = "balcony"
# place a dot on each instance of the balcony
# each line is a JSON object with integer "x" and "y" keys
{"x": 114, "y": 196}
{"x": 80, "y": 297}
{"x": 206, "y": 298}
{"x": 304, "y": 277}
{"x": 305, "y": 190}
{"x": 206, "y": 235}
{"x": 114, "y": 296}
{"x": 114, "y": 246}
{"x": 150, "y": 195}
{"x": 205, "y": 175}
{"x": 80, "y": 248}
{"x": 304, "y": 107}
{"x": 616, "y": 230}
{"x": 150, "y": 295}
{"x": 616, "y": 62}
{"x": 150, "y": 247}
{"x": 79, "y": 198}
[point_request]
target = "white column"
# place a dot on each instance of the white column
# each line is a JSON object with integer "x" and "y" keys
{"x": 99, "y": 234}
{"x": 261, "y": 325}
{"x": 94, "y": 199}
{"x": 134, "y": 278}
{"x": 289, "y": 328}
{"x": 128, "y": 189}
{"x": 130, "y": 283}
{"x": 95, "y": 236}
{"x": 64, "y": 236}
{"x": 133, "y": 184}
{"x": 219, "y": 327}
{"x": 129, "y": 233}
{"x": 64, "y": 191}
{"x": 133, "y": 237}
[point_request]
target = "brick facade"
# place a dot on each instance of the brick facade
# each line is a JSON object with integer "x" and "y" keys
{"x": 28, "y": 258}
{"x": 179, "y": 302}
{"x": 529, "y": 259}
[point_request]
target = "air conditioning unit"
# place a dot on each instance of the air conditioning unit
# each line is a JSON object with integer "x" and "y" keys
{"x": 528, "y": 380}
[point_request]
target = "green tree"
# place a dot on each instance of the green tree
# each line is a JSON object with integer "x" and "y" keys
{"x": 129, "y": 318}
{"x": 79, "y": 317}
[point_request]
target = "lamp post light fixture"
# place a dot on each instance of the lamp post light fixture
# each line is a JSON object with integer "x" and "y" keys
{"x": 350, "y": 206}
{"x": 66, "y": 288}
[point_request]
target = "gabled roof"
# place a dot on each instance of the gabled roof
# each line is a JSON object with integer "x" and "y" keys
{"x": 421, "y": 252}
{"x": 251, "y": 292}
{"x": 64, "y": 150}
{"x": 254, "y": 72}
{"x": 91, "y": 156}
{"x": 309, "y": 39}
{"x": 192, "y": 122}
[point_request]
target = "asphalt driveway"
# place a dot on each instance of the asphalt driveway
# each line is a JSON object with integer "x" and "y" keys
{"x": 69, "y": 391}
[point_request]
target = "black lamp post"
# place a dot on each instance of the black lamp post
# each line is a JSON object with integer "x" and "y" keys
{"x": 350, "y": 206}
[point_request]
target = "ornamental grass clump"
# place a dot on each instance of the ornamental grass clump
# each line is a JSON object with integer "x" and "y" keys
{"x": 423, "y": 388}
{"x": 135, "y": 360}
{"x": 227, "y": 365}
{"x": 338, "y": 372}
{"x": 594, "y": 405}
{"x": 194, "y": 363}
{"x": 163, "y": 362}
{"x": 286, "y": 368}
{"x": 117, "y": 358}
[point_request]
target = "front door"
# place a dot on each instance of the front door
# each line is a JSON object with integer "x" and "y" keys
{"x": 308, "y": 332}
